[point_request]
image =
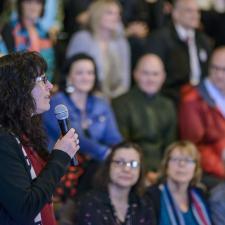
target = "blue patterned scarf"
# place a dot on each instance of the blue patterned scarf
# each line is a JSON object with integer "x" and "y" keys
{"x": 197, "y": 206}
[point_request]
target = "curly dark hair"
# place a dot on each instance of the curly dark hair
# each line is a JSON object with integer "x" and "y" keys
{"x": 18, "y": 72}
{"x": 102, "y": 178}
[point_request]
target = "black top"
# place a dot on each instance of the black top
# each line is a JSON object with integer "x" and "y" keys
{"x": 21, "y": 199}
{"x": 95, "y": 208}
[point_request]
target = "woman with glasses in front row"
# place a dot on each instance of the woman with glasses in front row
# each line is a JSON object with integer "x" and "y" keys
{"x": 178, "y": 199}
{"x": 117, "y": 199}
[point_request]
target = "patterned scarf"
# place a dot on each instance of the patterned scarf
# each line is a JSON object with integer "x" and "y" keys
{"x": 197, "y": 206}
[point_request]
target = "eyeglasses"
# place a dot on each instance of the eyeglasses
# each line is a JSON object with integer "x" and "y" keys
{"x": 43, "y": 78}
{"x": 177, "y": 160}
{"x": 121, "y": 163}
{"x": 217, "y": 68}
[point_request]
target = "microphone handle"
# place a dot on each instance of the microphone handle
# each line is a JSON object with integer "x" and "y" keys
{"x": 64, "y": 127}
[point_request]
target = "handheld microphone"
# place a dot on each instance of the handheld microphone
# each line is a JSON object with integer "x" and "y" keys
{"x": 62, "y": 115}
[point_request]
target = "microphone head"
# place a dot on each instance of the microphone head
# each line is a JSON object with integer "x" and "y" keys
{"x": 61, "y": 112}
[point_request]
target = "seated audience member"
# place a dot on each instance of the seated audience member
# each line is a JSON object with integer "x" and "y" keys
{"x": 105, "y": 41}
{"x": 217, "y": 204}
{"x": 89, "y": 114}
{"x": 51, "y": 16}
{"x": 144, "y": 115}
{"x": 24, "y": 33}
{"x": 117, "y": 198}
{"x": 202, "y": 118}
{"x": 182, "y": 47}
{"x": 177, "y": 200}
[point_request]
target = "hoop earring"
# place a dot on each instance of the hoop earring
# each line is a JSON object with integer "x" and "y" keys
{"x": 69, "y": 88}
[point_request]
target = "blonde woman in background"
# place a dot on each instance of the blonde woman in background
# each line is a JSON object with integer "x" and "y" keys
{"x": 177, "y": 199}
{"x": 105, "y": 41}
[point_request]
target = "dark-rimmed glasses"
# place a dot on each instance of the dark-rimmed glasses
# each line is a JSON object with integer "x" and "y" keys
{"x": 217, "y": 68}
{"x": 131, "y": 164}
{"x": 43, "y": 78}
{"x": 177, "y": 160}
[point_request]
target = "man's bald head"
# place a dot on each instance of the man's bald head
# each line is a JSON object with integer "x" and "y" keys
{"x": 149, "y": 73}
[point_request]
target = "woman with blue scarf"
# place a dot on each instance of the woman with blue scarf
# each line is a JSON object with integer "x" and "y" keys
{"x": 178, "y": 199}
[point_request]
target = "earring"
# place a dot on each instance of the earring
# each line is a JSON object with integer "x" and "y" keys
{"x": 69, "y": 88}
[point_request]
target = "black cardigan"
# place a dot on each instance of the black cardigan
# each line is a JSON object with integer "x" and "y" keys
{"x": 22, "y": 198}
{"x": 97, "y": 205}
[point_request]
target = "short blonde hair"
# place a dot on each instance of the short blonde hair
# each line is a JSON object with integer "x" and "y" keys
{"x": 191, "y": 150}
{"x": 96, "y": 10}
